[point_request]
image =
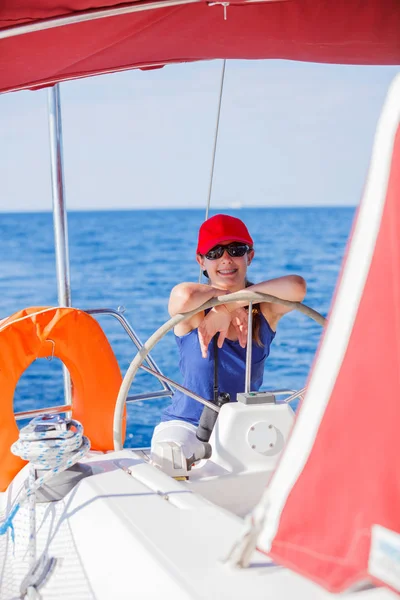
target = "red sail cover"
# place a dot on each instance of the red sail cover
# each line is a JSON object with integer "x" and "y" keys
{"x": 340, "y": 474}
{"x": 339, "y": 31}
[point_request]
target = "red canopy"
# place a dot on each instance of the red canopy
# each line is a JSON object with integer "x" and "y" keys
{"x": 156, "y": 33}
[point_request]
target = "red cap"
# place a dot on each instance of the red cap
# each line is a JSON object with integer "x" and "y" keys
{"x": 219, "y": 229}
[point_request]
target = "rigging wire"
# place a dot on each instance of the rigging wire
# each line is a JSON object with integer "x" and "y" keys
{"x": 216, "y": 138}
{"x": 215, "y": 147}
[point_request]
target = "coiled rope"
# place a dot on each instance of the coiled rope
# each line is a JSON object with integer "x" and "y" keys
{"x": 51, "y": 444}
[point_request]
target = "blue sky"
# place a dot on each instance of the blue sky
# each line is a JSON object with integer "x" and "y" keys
{"x": 290, "y": 134}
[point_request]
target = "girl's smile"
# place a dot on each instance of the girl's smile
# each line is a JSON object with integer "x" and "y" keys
{"x": 227, "y": 272}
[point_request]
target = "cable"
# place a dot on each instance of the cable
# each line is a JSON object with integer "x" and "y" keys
{"x": 215, "y": 146}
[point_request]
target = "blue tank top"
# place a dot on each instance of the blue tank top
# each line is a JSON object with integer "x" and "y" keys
{"x": 198, "y": 372}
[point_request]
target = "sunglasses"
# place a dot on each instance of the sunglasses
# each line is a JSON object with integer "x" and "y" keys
{"x": 234, "y": 250}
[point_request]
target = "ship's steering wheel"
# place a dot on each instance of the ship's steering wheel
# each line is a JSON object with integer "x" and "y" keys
{"x": 247, "y": 296}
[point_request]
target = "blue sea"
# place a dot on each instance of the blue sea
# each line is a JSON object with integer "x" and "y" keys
{"x": 134, "y": 258}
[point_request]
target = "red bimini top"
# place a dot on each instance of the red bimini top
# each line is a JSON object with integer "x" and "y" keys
{"x": 42, "y": 43}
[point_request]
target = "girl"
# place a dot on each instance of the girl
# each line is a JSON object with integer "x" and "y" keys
{"x": 224, "y": 251}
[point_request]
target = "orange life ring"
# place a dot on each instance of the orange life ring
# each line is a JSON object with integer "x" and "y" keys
{"x": 83, "y": 347}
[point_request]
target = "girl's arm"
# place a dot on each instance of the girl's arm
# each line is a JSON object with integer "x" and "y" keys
{"x": 187, "y": 296}
{"x": 288, "y": 287}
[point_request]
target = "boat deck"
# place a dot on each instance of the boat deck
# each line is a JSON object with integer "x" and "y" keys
{"x": 129, "y": 530}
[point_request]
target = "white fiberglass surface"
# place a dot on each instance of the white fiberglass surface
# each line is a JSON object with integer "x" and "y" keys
{"x": 129, "y": 531}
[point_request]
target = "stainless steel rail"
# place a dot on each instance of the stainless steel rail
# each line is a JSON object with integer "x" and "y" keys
{"x": 249, "y": 348}
{"x": 59, "y": 213}
{"x": 166, "y": 392}
{"x": 30, "y": 414}
{"x": 166, "y": 382}
{"x": 125, "y": 324}
{"x": 150, "y": 395}
{"x": 298, "y": 394}
{"x": 293, "y": 393}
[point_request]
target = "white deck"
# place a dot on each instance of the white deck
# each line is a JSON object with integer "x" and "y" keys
{"x": 144, "y": 535}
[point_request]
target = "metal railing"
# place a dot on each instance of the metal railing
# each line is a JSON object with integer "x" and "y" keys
{"x": 165, "y": 392}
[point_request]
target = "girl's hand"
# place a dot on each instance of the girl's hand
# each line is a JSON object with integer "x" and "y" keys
{"x": 217, "y": 320}
{"x": 239, "y": 319}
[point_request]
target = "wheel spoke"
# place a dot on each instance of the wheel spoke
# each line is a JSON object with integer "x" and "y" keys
{"x": 181, "y": 388}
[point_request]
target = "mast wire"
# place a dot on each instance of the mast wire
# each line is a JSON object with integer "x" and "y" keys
{"x": 215, "y": 147}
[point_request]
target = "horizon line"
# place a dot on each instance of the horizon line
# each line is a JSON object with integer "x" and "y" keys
{"x": 176, "y": 208}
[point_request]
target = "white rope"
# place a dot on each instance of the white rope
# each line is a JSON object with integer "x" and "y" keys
{"x": 49, "y": 448}
{"x": 52, "y": 446}
{"x": 32, "y": 517}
